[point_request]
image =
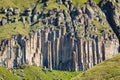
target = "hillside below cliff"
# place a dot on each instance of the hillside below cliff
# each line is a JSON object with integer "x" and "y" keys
{"x": 108, "y": 70}
{"x": 27, "y": 72}
{"x": 68, "y": 35}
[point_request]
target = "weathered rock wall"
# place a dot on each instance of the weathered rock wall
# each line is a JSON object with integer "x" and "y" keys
{"x": 112, "y": 12}
{"x": 74, "y": 39}
{"x": 59, "y": 52}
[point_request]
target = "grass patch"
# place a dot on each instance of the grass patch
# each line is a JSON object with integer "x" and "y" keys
{"x": 17, "y": 3}
{"x": 78, "y": 3}
{"x": 24, "y": 4}
{"x": 108, "y": 70}
{"x": 6, "y": 75}
{"x": 8, "y": 30}
{"x": 36, "y": 73}
{"x": 52, "y": 4}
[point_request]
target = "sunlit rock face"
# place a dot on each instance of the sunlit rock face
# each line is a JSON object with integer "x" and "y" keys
{"x": 74, "y": 39}
{"x": 61, "y": 52}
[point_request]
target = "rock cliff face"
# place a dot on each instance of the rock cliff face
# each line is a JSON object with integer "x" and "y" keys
{"x": 60, "y": 52}
{"x": 74, "y": 39}
{"x": 112, "y": 11}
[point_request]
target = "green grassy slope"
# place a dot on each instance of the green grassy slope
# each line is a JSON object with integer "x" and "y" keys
{"x": 8, "y": 30}
{"x": 6, "y": 75}
{"x": 29, "y": 3}
{"x": 78, "y": 2}
{"x": 108, "y": 70}
{"x": 81, "y": 2}
{"x": 17, "y": 3}
{"x": 24, "y": 4}
{"x": 35, "y": 73}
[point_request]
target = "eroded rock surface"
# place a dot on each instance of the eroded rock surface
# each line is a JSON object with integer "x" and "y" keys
{"x": 74, "y": 39}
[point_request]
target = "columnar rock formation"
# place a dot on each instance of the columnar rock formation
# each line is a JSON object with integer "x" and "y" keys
{"x": 74, "y": 39}
{"x": 60, "y": 52}
{"x": 112, "y": 11}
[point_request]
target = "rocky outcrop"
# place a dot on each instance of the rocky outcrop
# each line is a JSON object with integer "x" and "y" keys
{"x": 61, "y": 52}
{"x": 74, "y": 39}
{"x": 111, "y": 9}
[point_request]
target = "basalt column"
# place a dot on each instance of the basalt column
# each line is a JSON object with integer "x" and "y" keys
{"x": 90, "y": 54}
{"x": 74, "y": 64}
{"x": 57, "y": 44}
{"x": 44, "y": 44}
{"x": 61, "y": 53}
{"x": 79, "y": 54}
{"x": 49, "y": 57}
{"x": 39, "y": 46}
{"x": 53, "y": 47}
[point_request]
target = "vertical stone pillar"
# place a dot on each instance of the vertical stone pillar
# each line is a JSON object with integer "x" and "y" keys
{"x": 90, "y": 54}
{"x": 35, "y": 41}
{"x": 63, "y": 30}
{"x": 39, "y": 45}
{"x": 49, "y": 57}
{"x": 81, "y": 53}
{"x": 77, "y": 55}
{"x": 103, "y": 51}
{"x": 107, "y": 49}
{"x": 74, "y": 61}
{"x": 32, "y": 44}
{"x": 28, "y": 51}
{"x": 99, "y": 49}
{"x": 86, "y": 55}
{"x": 72, "y": 46}
{"x": 46, "y": 36}
{"x": 94, "y": 52}
{"x": 44, "y": 46}
{"x": 58, "y": 33}
{"x": 57, "y": 43}
{"x": 53, "y": 47}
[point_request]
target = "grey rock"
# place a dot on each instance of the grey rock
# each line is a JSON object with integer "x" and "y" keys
{"x": 16, "y": 11}
{"x": 28, "y": 19}
{"x": 28, "y": 12}
{"x": 4, "y": 21}
{"x": 4, "y": 10}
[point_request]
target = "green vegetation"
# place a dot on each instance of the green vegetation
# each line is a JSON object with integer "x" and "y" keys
{"x": 24, "y": 4}
{"x": 29, "y": 3}
{"x": 97, "y": 1}
{"x": 102, "y": 27}
{"x": 6, "y": 75}
{"x": 8, "y": 30}
{"x": 2, "y": 15}
{"x": 108, "y": 70}
{"x": 35, "y": 73}
{"x": 17, "y": 3}
{"x": 79, "y": 2}
{"x": 52, "y": 4}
